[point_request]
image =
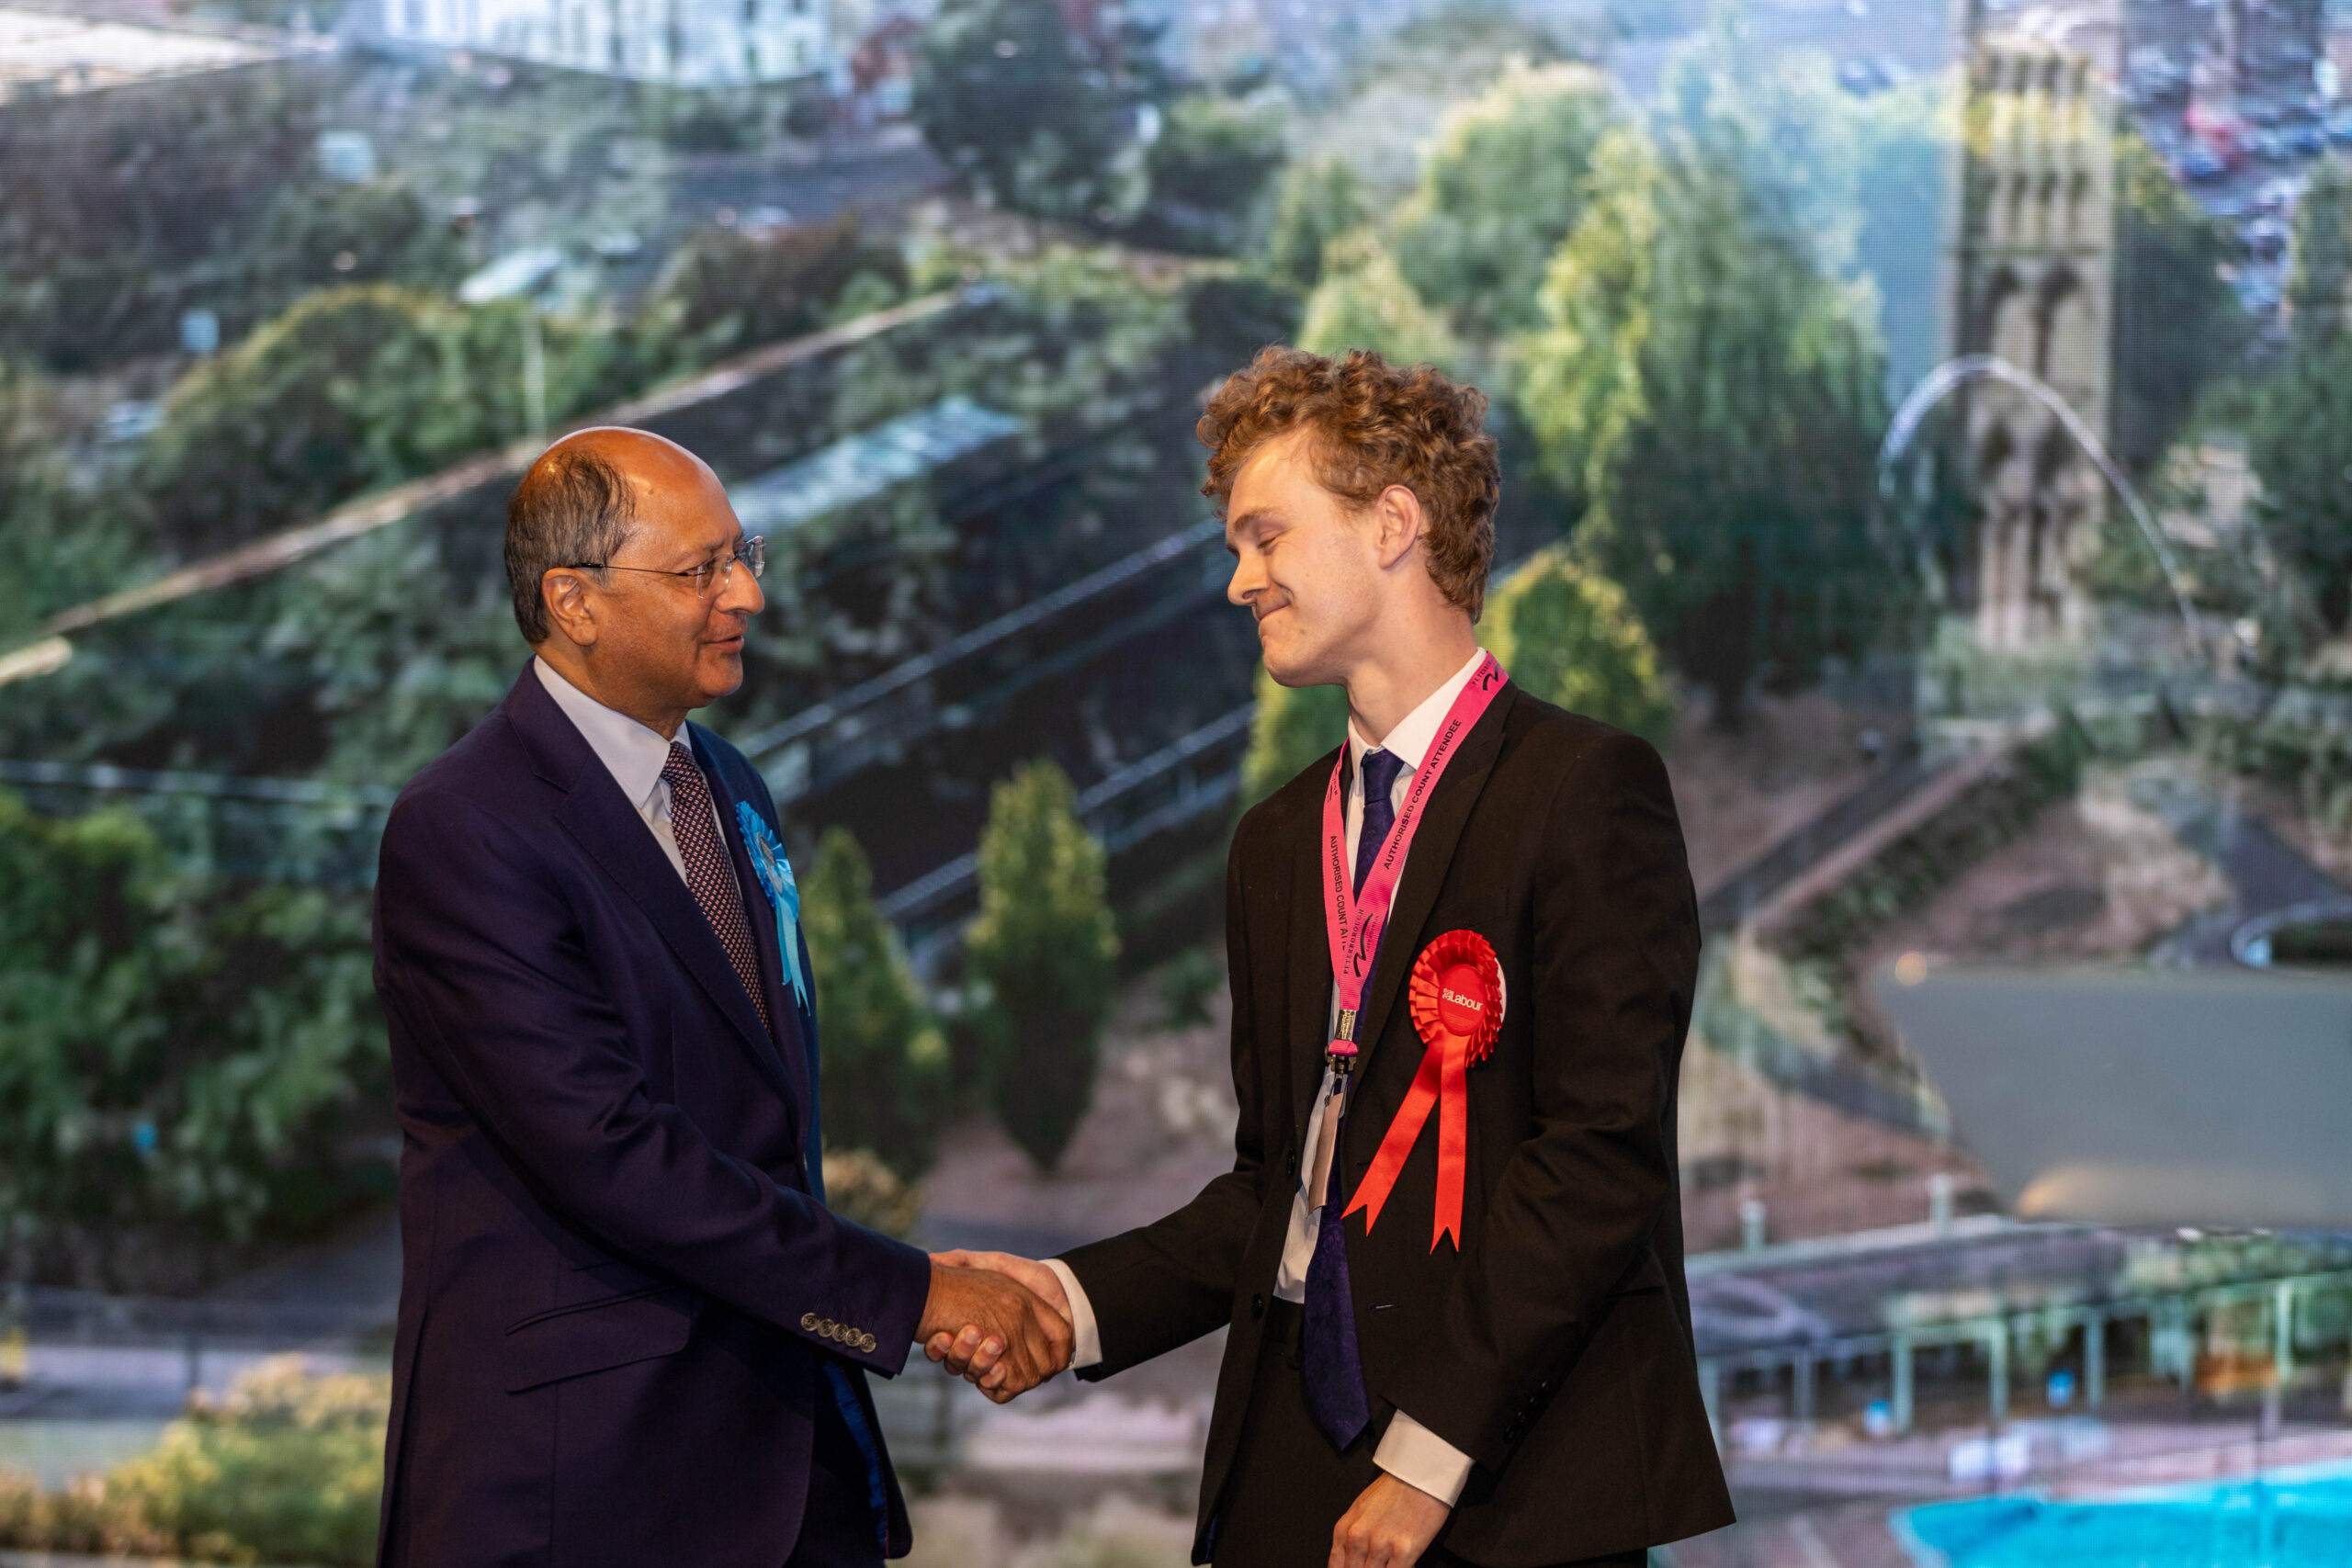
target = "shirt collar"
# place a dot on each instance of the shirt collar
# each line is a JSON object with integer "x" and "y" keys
{"x": 1409, "y": 741}
{"x": 632, "y": 753}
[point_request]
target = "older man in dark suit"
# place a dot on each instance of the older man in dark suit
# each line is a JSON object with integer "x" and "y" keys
{"x": 630, "y": 1332}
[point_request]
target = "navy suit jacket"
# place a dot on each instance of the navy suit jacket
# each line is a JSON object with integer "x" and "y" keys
{"x": 621, "y": 1300}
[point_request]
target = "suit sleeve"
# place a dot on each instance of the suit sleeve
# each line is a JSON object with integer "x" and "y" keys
{"x": 1171, "y": 1281}
{"x": 484, "y": 961}
{"x": 1615, "y": 961}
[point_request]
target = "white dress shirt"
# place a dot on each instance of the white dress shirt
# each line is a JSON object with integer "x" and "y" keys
{"x": 633, "y": 754}
{"x": 1409, "y": 1450}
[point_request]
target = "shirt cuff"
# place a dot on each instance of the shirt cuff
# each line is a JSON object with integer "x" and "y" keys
{"x": 1422, "y": 1459}
{"x": 1085, "y": 1340}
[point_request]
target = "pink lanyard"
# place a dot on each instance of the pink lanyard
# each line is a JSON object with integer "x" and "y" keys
{"x": 1352, "y": 921}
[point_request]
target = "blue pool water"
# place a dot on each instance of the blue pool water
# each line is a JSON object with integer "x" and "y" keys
{"x": 2294, "y": 1518}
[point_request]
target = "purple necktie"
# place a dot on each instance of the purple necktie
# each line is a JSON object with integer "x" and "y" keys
{"x": 710, "y": 872}
{"x": 1331, "y": 1363}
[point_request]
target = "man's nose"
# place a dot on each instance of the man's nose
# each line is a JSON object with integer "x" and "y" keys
{"x": 1249, "y": 578}
{"x": 741, "y": 592}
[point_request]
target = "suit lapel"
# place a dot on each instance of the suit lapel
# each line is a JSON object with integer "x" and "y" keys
{"x": 603, "y": 823}
{"x": 784, "y": 1005}
{"x": 1426, "y": 864}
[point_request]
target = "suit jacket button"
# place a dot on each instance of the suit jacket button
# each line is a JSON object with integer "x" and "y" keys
{"x": 808, "y": 1321}
{"x": 1290, "y": 1163}
{"x": 1258, "y": 1306}
{"x": 867, "y": 1342}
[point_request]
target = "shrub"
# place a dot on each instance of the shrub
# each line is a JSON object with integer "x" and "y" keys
{"x": 351, "y": 389}
{"x": 724, "y": 291}
{"x": 288, "y": 1468}
{"x": 1295, "y": 725}
{"x": 181, "y": 1052}
{"x": 885, "y": 1081}
{"x": 1567, "y": 635}
{"x": 860, "y": 1186}
{"x": 1042, "y": 956}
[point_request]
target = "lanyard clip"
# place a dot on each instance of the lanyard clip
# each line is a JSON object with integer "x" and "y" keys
{"x": 1344, "y": 1047}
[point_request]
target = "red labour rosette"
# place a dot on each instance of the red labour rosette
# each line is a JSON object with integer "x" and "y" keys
{"x": 1457, "y": 990}
{"x": 1456, "y": 995}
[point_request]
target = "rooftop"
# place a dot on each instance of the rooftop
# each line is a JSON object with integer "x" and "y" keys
{"x": 48, "y": 53}
{"x": 864, "y": 466}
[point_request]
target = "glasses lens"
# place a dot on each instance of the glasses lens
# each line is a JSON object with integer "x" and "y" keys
{"x": 754, "y": 555}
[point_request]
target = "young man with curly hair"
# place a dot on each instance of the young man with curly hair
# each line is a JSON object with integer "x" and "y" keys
{"x": 1463, "y": 948}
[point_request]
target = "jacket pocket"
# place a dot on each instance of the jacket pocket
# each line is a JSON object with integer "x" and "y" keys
{"x": 594, "y": 1336}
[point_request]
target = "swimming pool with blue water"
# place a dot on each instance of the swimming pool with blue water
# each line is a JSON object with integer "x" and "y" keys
{"x": 2288, "y": 1518}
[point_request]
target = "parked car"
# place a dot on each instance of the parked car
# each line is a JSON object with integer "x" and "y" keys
{"x": 2264, "y": 238}
{"x": 2202, "y": 165}
{"x": 1862, "y": 77}
{"x": 2279, "y": 194}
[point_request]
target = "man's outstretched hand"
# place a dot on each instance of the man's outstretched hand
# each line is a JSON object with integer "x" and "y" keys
{"x": 990, "y": 1329}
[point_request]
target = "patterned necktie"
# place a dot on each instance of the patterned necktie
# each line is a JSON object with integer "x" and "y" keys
{"x": 710, "y": 872}
{"x": 1330, "y": 1364}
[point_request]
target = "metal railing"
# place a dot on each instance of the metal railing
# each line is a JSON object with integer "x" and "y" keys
{"x": 1994, "y": 1333}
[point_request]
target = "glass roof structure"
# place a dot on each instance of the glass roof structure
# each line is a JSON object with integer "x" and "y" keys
{"x": 861, "y": 466}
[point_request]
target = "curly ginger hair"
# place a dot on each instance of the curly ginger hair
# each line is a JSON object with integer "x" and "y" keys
{"x": 1374, "y": 424}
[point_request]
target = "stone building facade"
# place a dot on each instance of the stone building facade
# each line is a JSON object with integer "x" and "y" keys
{"x": 2031, "y": 277}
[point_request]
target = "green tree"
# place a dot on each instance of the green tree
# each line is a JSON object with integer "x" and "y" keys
{"x": 124, "y": 209}
{"x": 351, "y": 389}
{"x": 1207, "y": 172}
{"x": 886, "y": 1061}
{"x": 56, "y": 545}
{"x": 1292, "y": 728}
{"x": 1028, "y": 114}
{"x": 1318, "y": 202}
{"x": 1041, "y": 959}
{"x": 2299, "y": 438}
{"x": 2177, "y": 324}
{"x": 1717, "y": 401}
{"x": 1569, "y": 636}
{"x": 1501, "y": 187}
{"x": 324, "y": 234}
{"x": 2299, "y": 444}
{"x": 181, "y": 1059}
{"x": 723, "y": 290}
{"x": 2319, "y": 284}
{"x": 1365, "y": 301}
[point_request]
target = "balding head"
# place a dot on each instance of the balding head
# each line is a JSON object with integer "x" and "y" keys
{"x": 579, "y": 502}
{"x": 627, "y": 564}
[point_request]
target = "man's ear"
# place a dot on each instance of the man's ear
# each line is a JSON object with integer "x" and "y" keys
{"x": 564, "y": 591}
{"x": 1398, "y": 515}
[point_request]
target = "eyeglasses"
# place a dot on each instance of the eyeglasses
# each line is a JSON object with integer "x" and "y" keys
{"x": 710, "y": 576}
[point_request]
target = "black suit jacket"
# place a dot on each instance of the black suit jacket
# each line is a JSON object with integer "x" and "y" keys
{"x": 620, "y": 1300}
{"x": 1555, "y": 1348}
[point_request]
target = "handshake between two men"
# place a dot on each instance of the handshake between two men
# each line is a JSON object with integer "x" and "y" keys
{"x": 1001, "y": 1323}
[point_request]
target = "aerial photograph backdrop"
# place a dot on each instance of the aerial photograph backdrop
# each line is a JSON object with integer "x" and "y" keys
{"x": 1926, "y": 422}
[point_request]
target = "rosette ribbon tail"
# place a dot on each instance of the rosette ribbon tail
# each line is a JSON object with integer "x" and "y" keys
{"x": 1457, "y": 994}
{"x": 1441, "y": 1084}
{"x": 1452, "y": 1140}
